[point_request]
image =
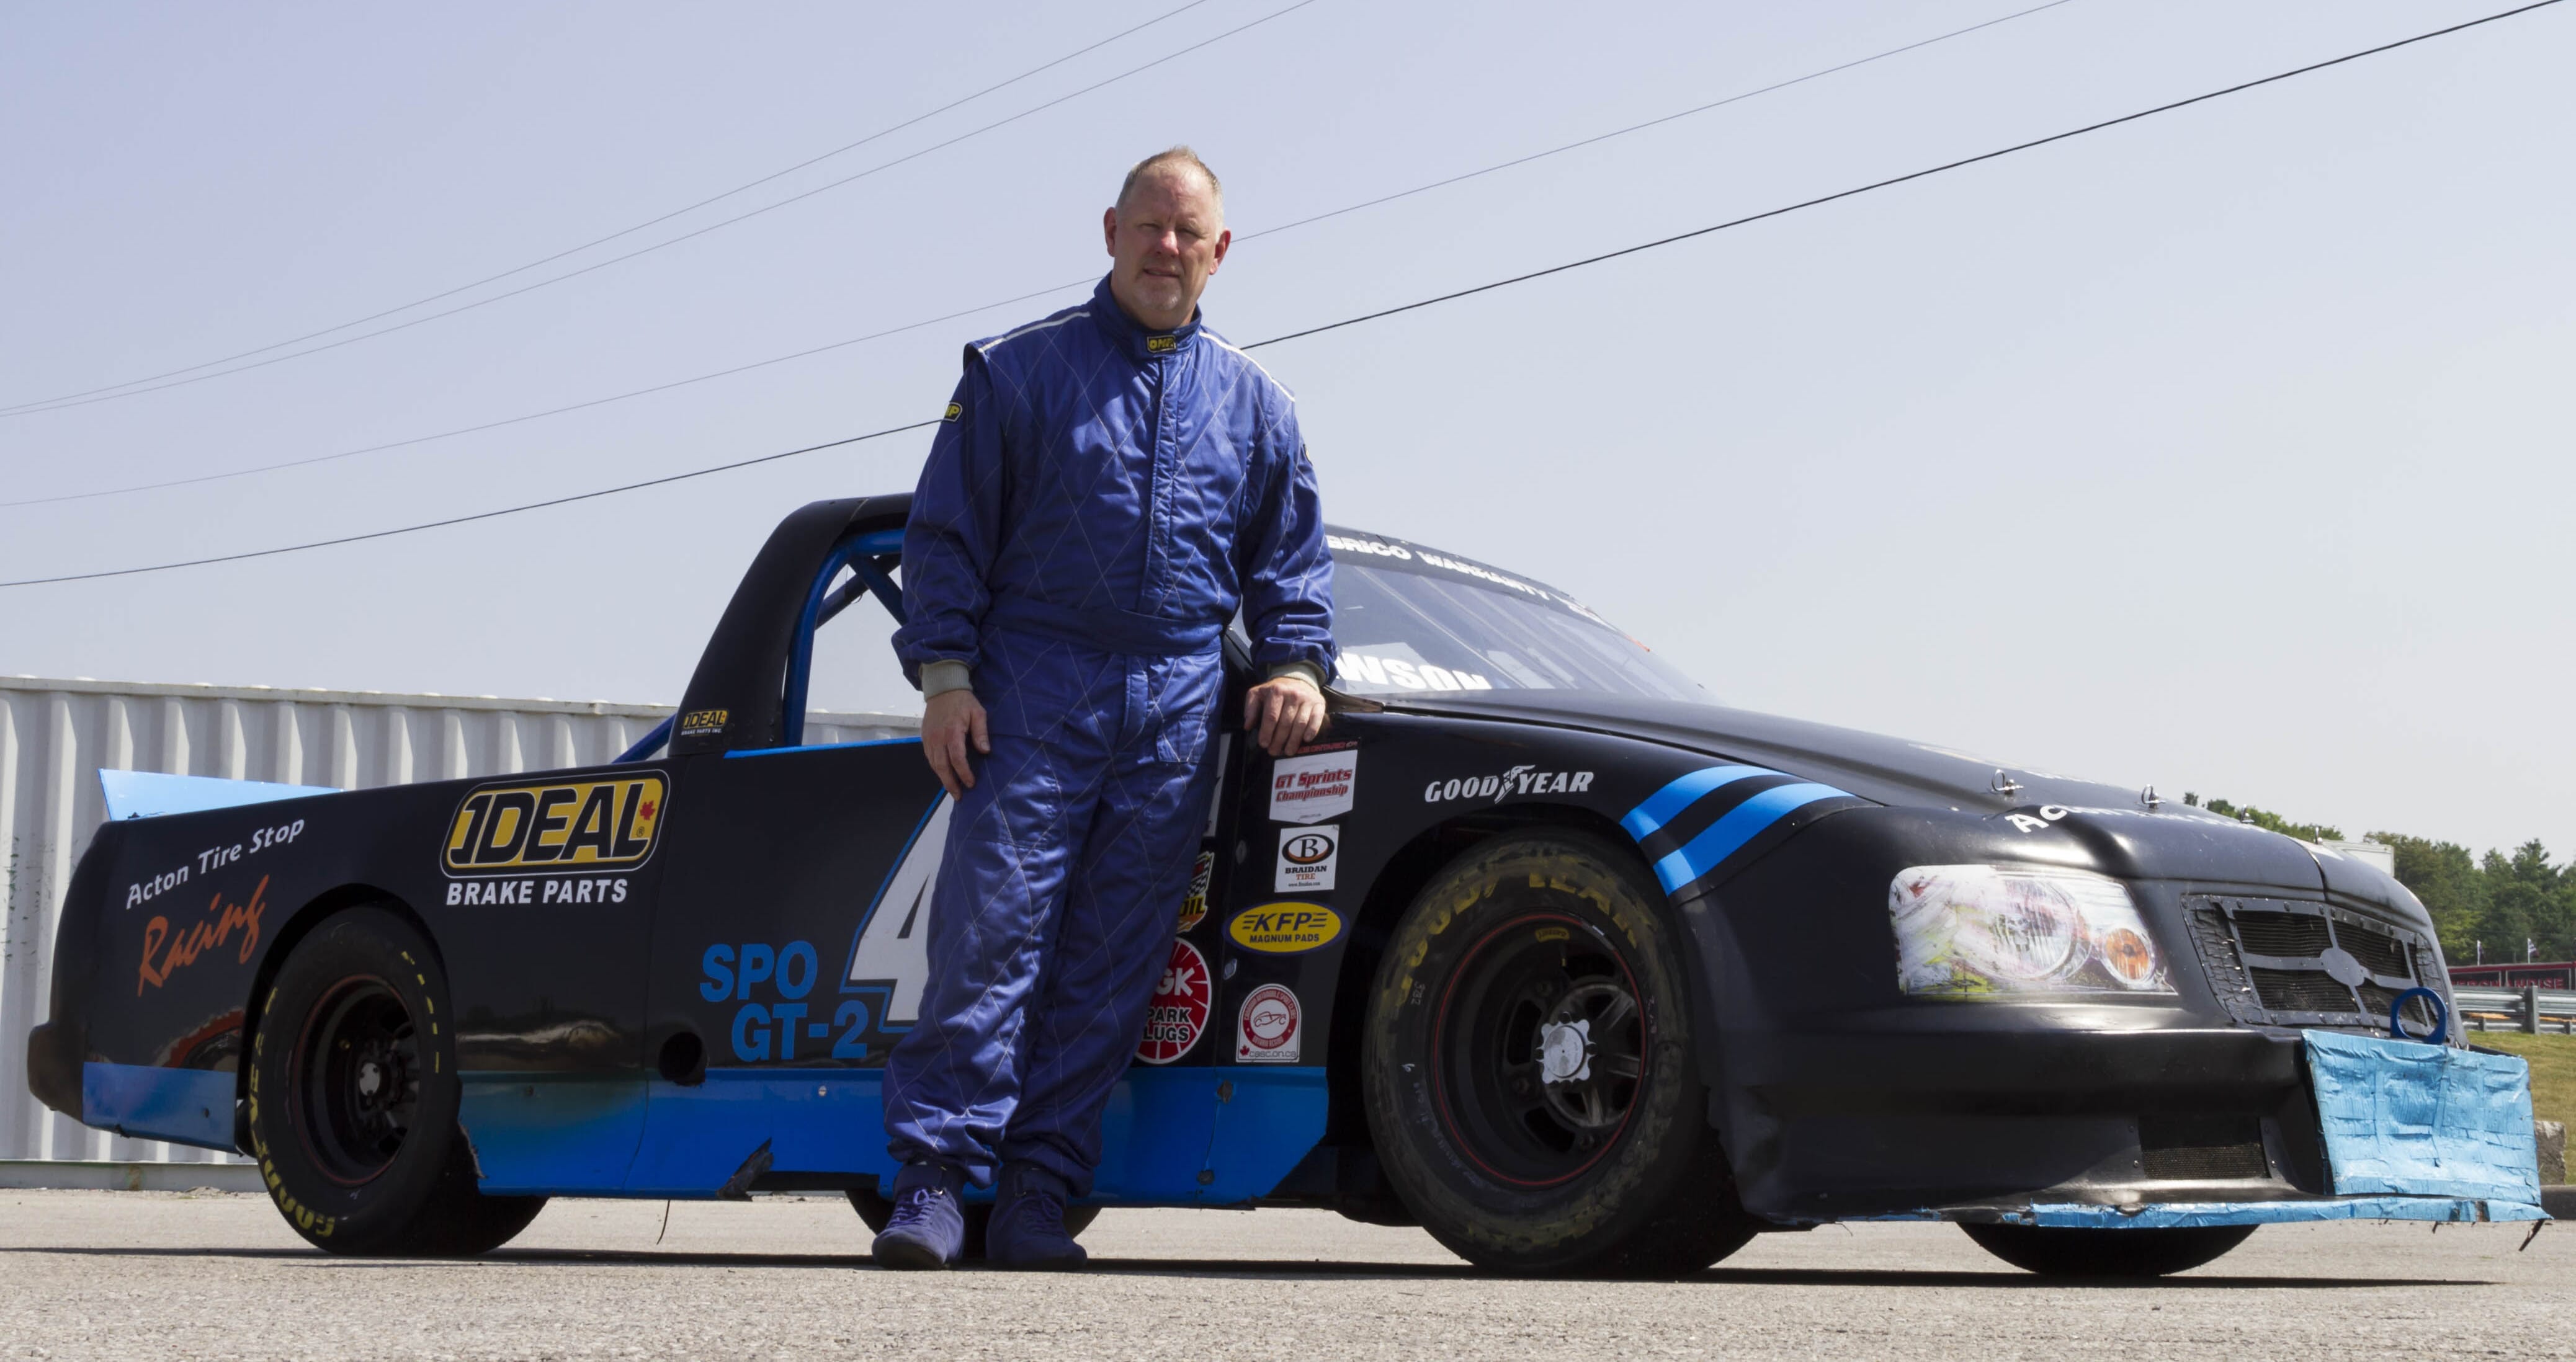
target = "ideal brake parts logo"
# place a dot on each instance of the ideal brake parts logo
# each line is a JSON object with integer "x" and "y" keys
{"x": 556, "y": 826}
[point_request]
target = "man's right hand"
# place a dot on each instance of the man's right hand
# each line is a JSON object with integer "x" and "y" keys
{"x": 948, "y": 722}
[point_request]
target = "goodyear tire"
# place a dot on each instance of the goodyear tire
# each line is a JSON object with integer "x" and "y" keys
{"x": 875, "y": 1211}
{"x": 2055, "y": 1252}
{"x": 353, "y": 1096}
{"x": 1529, "y": 1069}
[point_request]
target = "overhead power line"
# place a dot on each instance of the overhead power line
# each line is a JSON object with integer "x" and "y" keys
{"x": 1085, "y": 282}
{"x": 96, "y": 395}
{"x": 1416, "y": 305}
{"x": 744, "y": 187}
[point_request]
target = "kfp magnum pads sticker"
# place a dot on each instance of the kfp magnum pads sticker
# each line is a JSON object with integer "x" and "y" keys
{"x": 1285, "y": 928}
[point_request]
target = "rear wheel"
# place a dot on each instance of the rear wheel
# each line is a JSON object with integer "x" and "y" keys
{"x": 353, "y": 1098}
{"x": 1530, "y": 1069}
{"x": 2055, "y": 1252}
{"x": 876, "y": 1210}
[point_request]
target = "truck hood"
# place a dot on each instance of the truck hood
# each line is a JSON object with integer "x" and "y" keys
{"x": 2124, "y": 835}
{"x": 1888, "y": 770}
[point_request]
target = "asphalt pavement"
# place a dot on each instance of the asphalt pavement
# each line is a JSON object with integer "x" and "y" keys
{"x": 130, "y": 1275}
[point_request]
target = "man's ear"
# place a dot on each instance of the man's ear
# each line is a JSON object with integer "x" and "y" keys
{"x": 1109, "y": 230}
{"x": 1223, "y": 240}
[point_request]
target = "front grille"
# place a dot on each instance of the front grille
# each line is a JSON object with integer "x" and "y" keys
{"x": 2290, "y": 990}
{"x": 2272, "y": 962}
{"x": 2201, "y": 1148}
{"x": 2379, "y": 954}
{"x": 2282, "y": 934}
{"x": 2375, "y": 1000}
{"x": 2206, "y": 1162}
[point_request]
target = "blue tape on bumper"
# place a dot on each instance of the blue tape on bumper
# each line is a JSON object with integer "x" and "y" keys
{"x": 2185, "y": 1214}
{"x": 2169, "y": 1215}
{"x": 2419, "y": 1120}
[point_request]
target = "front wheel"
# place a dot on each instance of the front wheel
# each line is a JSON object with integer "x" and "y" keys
{"x": 1530, "y": 1071}
{"x": 353, "y": 1098}
{"x": 2052, "y": 1251}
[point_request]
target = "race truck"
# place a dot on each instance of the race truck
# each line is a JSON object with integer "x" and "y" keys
{"x": 1538, "y": 947}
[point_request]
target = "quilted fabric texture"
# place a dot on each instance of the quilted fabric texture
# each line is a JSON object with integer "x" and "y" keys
{"x": 1120, "y": 489}
{"x": 1097, "y": 505}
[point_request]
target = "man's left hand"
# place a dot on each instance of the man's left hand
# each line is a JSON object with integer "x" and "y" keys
{"x": 1284, "y": 713}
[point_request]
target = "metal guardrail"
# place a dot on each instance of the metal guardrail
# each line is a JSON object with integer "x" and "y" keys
{"x": 2529, "y": 1010}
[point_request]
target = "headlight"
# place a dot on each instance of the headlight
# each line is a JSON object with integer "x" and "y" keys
{"x": 1983, "y": 931}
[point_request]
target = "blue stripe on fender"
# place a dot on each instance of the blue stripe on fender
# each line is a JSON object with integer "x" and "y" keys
{"x": 1659, "y": 807}
{"x": 1741, "y": 824}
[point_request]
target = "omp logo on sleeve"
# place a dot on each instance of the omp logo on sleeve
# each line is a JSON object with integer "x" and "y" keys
{"x": 513, "y": 829}
{"x": 955, "y": 410}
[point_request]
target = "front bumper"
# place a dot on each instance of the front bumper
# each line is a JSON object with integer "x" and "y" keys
{"x": 2350, "y": 1128}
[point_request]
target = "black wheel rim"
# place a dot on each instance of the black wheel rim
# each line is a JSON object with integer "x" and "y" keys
{"x": 357, "y": 1080}
{"x": 1538, "y": 1050}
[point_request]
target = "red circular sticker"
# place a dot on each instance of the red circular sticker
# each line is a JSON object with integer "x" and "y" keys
{"x": 1267, "y": 1029}
{"x": 1179, "y": 1011}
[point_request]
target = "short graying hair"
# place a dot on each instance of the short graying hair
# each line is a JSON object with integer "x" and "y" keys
{"x": 1173, "y": 156}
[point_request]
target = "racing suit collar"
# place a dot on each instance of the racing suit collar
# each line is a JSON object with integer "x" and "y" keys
{"x": 1133, "y": 338}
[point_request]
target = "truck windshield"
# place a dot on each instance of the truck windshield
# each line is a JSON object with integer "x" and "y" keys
{"x": 1412, "y": 620}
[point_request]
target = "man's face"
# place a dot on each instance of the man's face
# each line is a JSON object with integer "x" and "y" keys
{"x": 1167, "y": 237}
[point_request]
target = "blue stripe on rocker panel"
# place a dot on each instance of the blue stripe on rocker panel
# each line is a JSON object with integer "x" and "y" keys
{"x": 186, "y": 1106}
{"x": 1243, "y": 1128}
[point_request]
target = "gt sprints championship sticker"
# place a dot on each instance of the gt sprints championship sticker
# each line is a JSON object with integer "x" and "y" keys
{"x": 1315, "y": 785}
{"x": 1179, "y": 1011}
{"x": 1266, "y": 1031}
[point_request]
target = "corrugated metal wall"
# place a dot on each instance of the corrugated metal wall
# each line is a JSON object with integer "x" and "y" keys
{"x": 55, "y": 735}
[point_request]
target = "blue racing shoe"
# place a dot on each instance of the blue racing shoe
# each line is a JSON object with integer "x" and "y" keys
{"x": 928, "y": 1228}
{"x": 1027, "y": 1229}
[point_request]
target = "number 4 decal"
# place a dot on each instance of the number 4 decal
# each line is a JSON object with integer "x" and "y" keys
{"x": 892, "y": 949}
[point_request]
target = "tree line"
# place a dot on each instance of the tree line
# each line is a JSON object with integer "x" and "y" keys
{"x": 2500, "y": 900}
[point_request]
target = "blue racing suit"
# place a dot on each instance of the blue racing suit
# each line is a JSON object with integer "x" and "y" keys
{"x": 1098, "y": 503}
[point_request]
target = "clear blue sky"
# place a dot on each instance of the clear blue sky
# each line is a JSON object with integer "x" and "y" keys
{"x": 2227, "y": 451}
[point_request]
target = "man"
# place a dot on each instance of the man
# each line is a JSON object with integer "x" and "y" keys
{"x": 1110, "y": 485}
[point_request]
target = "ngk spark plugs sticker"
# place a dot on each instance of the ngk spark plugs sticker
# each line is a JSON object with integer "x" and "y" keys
{"x": 1194, "y": 904}
{"x": 1315, "y": 786}
{"x": 1306, "y": 857}
{"x": 1266, "y": 1030}
{"x": 1179, "y": 1011}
